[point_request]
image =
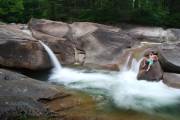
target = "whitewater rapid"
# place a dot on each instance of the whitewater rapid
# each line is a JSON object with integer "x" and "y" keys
{"x": 122, "y": 88}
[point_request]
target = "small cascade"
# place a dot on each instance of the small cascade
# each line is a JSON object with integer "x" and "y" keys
{"x": 135, "y": 65}
{"x": 53, "y": 58}
{"x": 28, "y": 32}
{"x": 125, "y": 67}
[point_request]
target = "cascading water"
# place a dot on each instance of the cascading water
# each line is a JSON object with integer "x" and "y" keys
{"x": 121, "y": 88}
{"x": 54, "y": 60}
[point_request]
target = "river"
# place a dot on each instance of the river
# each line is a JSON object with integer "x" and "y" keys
{"x": 112, "y": 95}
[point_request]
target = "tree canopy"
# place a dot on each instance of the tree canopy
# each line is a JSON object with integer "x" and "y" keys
{"x": 164, "y": 13}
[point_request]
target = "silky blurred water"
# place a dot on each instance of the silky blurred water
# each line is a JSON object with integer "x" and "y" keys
{"x": 122, "y": 88}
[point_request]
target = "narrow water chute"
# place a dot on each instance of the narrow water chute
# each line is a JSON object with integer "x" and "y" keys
{"x": 53, "y": 58}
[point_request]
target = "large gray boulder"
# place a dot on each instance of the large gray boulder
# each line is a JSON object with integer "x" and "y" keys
{"x": 57, "y": 36}
{"x": 93, "y": 45}
{"x": 155, "y": 73}
{"x": 172, "y": 79}
{"x": 14, "y": 107}
{"x": 20, "y": 50}
{"x": 101, "y": 45}
{"x": 23, "y": 54}
{"x": 169, "y": 57}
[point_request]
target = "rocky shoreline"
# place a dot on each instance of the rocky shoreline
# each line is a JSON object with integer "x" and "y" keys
{"x": 89, "y": 44}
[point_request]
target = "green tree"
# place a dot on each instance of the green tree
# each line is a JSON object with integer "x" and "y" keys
{"x": 11, "y": 10}
{"x": 32, "y": 9}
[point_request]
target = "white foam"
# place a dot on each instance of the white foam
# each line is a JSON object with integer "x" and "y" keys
{"x": 123, "y": 88}
{"x": 151, "y": 43}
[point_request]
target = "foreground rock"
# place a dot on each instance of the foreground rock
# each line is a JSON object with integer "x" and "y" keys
{"x": 172, "y": 79}
{"x": 9, "y": 75}
{"x": 155, "y": 73}
{"x": 169, "y": 57}
{"x": 15, "y": 84}
{"x": 19, "y": 95}
{"x": 14, "y": 107}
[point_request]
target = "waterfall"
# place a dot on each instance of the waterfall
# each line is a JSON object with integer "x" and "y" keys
{"x": 27, "y": 32}
{"x": 53, "y": 58}
{"x": 125, "y": 67}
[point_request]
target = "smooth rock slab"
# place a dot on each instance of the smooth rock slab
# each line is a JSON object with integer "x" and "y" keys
{"x": 13, "y": 107}
{"x": 155, "y": 73}
{"x": 172, "y": 79}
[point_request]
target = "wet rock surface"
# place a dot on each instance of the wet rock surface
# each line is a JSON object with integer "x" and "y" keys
{"x": 155, "y": 73}
{"x": 172, "y": 79}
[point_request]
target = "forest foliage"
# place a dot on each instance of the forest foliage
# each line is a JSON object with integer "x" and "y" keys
{"x": 163, "y": 13}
